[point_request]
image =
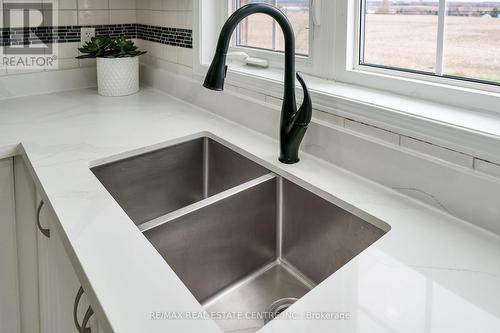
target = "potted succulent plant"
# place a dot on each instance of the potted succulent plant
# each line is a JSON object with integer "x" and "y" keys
{"x": 117, "y": 64}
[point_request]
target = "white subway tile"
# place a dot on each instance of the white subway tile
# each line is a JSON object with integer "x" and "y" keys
{"x": 146, "y": 59}
{"x": 63, "y": 17}
{"x": 149, "y": 4}
{"x": 148, "y": 46}
{"x": 17, "y": 71}
{"x": 122, "y": 4}
{"x": 372, "y": 131}
{"x": 245, "y": 92}
{"x": 68, "y": 63}
{"x": 230, "y": 87}
{"x": 179, "y": 5}
{"x": 169, "y": 19}
{"x": 157, "y": 18}
{"x": 438, "y": 152}
{"x": 184, "y": 4}
{"x": 143, "y": 16}
{"x": 252, "y": 94}
{"x": 184, "y": 20}
{"x": 170, "y": 53}
{"x": 174, "y": 68}
{"x": 185, "y": 56}
{"x": 487, "y": 167}
{"x": 169, "y": 5}
{"x": 93, "y": 4}
{"x": 60, "y": 4}
{"x": 93, "y": 17}
{"x": 329, "y": 118}
{"x": 66, "y": 50}
{"x": 156, "y": 50}
{"x": 87, "y": 62}
{"x": 273, "y": 100}
{"x": 122, "y": 16}
{"x": 17, "y": 18}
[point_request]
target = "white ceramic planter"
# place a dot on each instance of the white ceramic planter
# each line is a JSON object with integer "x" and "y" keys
{"x": 117, "y": 76}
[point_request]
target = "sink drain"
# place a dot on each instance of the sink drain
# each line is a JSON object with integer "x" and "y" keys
{"x": 278, "y": 307}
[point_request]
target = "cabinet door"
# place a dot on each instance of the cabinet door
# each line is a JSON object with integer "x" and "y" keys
{"x": 9, "y": 288}
{"x": 27, "y": 250}
{"x": 58, "y": 282}
{"x": 97, "y": 326}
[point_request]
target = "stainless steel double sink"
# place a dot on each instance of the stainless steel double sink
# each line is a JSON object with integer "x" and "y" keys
{"x": 242, "y": 239}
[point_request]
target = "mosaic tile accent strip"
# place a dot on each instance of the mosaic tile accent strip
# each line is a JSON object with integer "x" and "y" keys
{"x": 71, "y": 34}
{"x": 169, "y": 36}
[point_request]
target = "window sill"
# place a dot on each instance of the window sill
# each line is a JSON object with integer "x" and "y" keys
{"x": 464, "y": 130}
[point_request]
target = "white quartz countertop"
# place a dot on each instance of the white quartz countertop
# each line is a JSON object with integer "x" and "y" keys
{"x": 430, "y": 273}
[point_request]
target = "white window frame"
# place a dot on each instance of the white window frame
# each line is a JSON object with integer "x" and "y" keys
{"x": 447, "y": 90}
{"x": 320, "y": 43}
{"x": 334, "y": 55}
{"x": 275, "y": 59}
{"x": 439, "y": 76}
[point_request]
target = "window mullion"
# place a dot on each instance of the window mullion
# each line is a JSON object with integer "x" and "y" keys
{"x": 440, "y": 37}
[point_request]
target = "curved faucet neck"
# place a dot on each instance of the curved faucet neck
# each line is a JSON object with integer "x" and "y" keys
{"x": 289, "y": 101}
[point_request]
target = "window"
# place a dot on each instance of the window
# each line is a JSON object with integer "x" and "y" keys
{"x": 262, "y": 32}
{"x": 451, "y": 39}
{"x": 446, "y": 51}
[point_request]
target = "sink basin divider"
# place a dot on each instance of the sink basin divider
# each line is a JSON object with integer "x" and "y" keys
{"x": 151, "y": 224}
{"x": 206, "y": 167}
{"x": 279, "y": 238}
{"x": 279, "y": 217}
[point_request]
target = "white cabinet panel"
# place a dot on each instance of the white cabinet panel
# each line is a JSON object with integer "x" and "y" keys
{"x": 38, "y": 284}
{"x": 9, "y": 295}
{"x": 58, "y": 281}
{"x": 27, "y": 248}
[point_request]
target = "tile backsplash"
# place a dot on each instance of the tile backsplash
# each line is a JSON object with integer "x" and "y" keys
{"x": 176, "y": 14}
{"x": 161, "y": 27}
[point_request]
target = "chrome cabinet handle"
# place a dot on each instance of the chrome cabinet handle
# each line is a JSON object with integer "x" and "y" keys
{"x": 83, "y": 328}
{"x": 45, "y": 232}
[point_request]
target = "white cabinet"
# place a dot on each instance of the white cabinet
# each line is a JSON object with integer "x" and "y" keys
{"x": 9, "y": 291}
{"x": 27, "y": 251}
{"x": 58, "y": 283}
{"x": 38, "y": 284}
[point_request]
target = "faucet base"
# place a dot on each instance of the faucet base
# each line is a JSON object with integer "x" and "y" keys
{"x": 289, "y": 161}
